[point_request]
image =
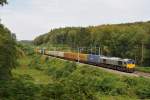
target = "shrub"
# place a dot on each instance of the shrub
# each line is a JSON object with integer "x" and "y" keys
{"x": 143, "y": 88}
{"x": 37, "y": 62}
{"x": 143, "y": 92}
{"x": 18, "y": 90}
{"x": 130, "y": 81}
{"x": 53, "y": 91}
{"x": 61, "y": 69}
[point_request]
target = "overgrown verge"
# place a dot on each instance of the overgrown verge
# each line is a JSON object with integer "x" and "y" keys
{"x": 143, "y": 69}
{"x": 70, "y": 81}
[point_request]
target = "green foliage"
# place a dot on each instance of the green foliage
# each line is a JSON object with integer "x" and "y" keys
{"x": 26, "y": 48}
{"x": 17, "y": 90}
{"x": 7, "y": 52}
{"x": 143, "y": 69}
{"x": 36, "y": 63}
{"x": 84, "y": 82}
{"x": 2, "y": 2}
{"x": 53, "y": 91}
{"x": 69, "y": 81}
{"x": 143, "y": 91}
{"x": 58, "y": 72}
{"x": 127, "y": 38}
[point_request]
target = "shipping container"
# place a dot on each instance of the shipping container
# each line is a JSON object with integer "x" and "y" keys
{"x": 47, "y": 52}
{"x": 70, "y": 55}
{"x": 60, "y": 54}
{"x": 53, "y": 53}
{"x": 94, "y": 59}
{"x": 83, "y": 57}
{"x": 50, "y": 53}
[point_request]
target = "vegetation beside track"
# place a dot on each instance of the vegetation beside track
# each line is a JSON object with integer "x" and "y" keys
{"x": 143, "y": 69}
{"x": 40, "y": 78}
{"x": 45, "y": 78}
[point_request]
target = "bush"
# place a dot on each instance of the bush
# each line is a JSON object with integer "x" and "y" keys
{"x": 142, "y": 89}
{"x": 38, "y": 62}
{"x": 60, "y": 69}
{"x": 143, "y": 92}
{"x": 130, "y": 81}
{"x": 18, "y": 90}
{"x": 110, "y": 86}
{"x": 53, "y": 91}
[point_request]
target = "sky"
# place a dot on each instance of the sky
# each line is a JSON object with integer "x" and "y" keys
{"x": 31, "y": 18}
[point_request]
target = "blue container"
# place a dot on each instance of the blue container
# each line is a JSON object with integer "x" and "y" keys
{"x": 94, "y": 59}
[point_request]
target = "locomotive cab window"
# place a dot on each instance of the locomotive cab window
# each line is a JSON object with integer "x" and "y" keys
{"x": 131, "y": 62}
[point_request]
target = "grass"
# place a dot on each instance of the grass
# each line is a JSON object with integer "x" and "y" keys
{"x": 143, "y": 69}
{"x": 24, "y": 61}
{"x": 39, "y": 77}
{"x": 119, "y": 97}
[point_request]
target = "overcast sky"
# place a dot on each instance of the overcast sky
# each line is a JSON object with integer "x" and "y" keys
{"x": 30, "y": 18}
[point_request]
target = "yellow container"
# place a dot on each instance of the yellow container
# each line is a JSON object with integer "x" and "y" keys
{"x": 76, "y": 56}
{"x": 83, "y": 57}
{"x": 70, "y": 55}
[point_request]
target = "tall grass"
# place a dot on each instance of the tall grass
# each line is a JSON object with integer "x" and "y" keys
{"x": 143, "y": 69}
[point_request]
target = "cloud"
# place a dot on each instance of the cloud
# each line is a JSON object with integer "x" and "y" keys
{"x": 29, "y": 18}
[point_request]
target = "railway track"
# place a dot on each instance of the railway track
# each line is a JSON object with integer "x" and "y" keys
{"x": 142, "y": 74}
{"x": 134, "y": 74}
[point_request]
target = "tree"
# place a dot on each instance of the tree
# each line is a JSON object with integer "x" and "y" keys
{"x": 121, "y": 40}
{"x": 2, "y": 2}
{"x": 7, "y": 53}
{"x": 7, "y": 50}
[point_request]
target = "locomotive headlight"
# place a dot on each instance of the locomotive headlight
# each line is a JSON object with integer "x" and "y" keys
{"x": 130, "y": 65}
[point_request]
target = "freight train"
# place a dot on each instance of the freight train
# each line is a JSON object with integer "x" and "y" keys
{"x": 125, "y": 65}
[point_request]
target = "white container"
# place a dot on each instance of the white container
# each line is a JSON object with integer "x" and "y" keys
{"x": 60, "y": 54}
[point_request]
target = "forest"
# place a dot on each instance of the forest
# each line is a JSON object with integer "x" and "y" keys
{"x": 26, "y": 75}
{"x": 129, "y": 40}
